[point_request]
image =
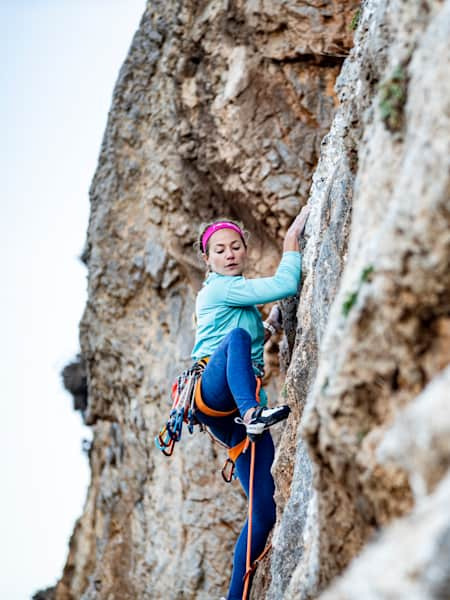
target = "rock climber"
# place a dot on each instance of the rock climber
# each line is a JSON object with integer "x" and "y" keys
{"x": 231, "y": 333}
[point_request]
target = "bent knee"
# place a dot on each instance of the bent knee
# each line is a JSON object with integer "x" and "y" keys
{"x": 240, "y": 334}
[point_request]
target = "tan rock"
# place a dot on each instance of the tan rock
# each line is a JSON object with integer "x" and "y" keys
{"x": 221, "y": 109}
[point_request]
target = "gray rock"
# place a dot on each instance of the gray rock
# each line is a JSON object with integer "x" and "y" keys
{"x": 155, "y": 259}
{"x": 281, "y": 185}
{"x": 289, "y": 205}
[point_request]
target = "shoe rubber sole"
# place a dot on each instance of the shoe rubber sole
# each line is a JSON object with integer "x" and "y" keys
{"x": 265, "y": 418}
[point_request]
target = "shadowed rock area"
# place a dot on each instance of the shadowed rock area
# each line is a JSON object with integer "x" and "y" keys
{"x": 250, "y": 110}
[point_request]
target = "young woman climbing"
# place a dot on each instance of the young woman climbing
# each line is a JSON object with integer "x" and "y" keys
{"x": 230, "y": 335}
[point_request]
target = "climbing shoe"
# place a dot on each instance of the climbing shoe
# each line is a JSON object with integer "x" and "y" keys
{"x": 263, "y": 418}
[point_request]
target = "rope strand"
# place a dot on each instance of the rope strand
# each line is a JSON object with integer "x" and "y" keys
{"x": 248, "y": 562}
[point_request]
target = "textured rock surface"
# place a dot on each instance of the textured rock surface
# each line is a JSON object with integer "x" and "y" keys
{"x": 411, "y": 559}
{"x": 221, "y": 108}
{"x": 386, "y": 334}
{"x": 419, "y": 440}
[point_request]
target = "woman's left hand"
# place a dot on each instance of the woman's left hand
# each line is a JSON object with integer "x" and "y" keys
{"x": 275, "y": 318}
{"x": 273, "y": 323}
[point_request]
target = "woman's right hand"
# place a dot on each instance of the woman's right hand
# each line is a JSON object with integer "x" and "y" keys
{"x": 295, "y": 230}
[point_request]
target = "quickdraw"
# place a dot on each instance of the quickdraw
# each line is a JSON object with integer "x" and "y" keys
{"x": 183, "y": 409}
{"x": 230, "y": 464}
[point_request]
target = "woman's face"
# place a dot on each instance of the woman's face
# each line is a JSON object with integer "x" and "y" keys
{"x": 227, "y": 253}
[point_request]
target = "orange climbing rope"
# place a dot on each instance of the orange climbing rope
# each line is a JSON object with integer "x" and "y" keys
{"x": 248, "y": 561}
{"x": 249, "y": 566}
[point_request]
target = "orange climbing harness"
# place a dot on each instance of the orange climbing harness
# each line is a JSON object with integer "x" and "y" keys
{"x": 234, "y": 452}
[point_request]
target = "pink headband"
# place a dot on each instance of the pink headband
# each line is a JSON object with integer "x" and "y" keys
{"x": 216, "y": 227}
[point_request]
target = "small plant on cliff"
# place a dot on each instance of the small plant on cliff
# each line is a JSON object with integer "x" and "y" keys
{"x": 393, "y": 93}
{"x": 366, "y": 273}
{"x": 349, "y": 302}
{"x": 351, "y": 297}
{"x": 355, "y": 19}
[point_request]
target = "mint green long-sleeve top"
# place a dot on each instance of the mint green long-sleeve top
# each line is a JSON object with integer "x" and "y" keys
{"x": 228, "y": 301}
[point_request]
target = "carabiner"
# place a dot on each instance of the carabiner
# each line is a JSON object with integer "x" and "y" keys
{"x": 228, "y": 471}
{"x": 164, "y": 442}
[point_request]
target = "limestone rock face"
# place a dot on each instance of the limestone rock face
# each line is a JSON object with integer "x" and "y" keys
{"x": 419, "y": 543}
{"x": 382, "y": 329}
{"x": 229, "y": 108}
{"x": 217, "y": 111}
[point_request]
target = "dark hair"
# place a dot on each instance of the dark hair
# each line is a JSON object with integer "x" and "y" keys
{"x": 204, "y": 227}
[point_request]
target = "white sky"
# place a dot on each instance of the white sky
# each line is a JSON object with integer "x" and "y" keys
{"x": 60, "y": 60}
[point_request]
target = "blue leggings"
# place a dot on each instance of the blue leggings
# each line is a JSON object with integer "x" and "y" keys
{"x": 229, "y": 381}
